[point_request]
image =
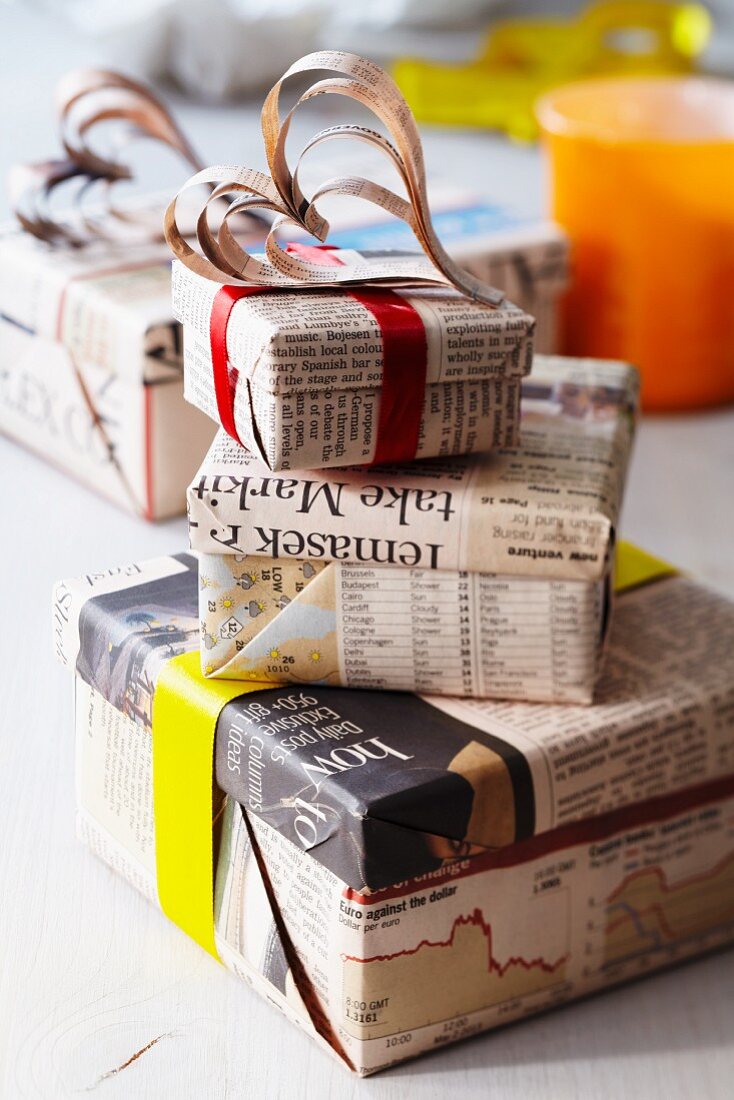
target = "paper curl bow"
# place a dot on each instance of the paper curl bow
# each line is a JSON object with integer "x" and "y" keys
{"x": 225, "y": 261}
{"x": 86, "y": 99}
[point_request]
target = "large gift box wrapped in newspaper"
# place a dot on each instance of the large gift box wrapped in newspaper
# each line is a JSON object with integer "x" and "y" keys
{"x": 323, "y": 377}
{"x": 91, "y": 368}
{"x": 485, "y": 576}
{"x": 397, "y": 872}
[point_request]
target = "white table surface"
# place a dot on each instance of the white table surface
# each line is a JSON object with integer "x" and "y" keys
{"x": 90, "y": 973}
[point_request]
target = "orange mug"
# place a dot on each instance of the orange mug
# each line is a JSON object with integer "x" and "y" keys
{"x": 642, "y": 179}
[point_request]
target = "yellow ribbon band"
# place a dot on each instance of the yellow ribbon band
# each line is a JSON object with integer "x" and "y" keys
{"x": 185, "y": 713}
{"x": 634, "y": 567}
{"x": 186, "y": 709}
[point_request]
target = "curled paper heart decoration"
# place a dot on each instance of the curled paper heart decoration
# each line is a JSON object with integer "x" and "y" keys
{"x": 225, "y": 261}
{"x": 85, "y": 100}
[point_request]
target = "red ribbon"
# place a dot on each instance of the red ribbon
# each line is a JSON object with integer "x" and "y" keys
{"x": 222, "y": 306}
{"x": 404, "y": 361}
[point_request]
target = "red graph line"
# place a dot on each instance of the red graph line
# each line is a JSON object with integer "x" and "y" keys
{"x": 664, "y": 885}
{"x": 493, "y": 965}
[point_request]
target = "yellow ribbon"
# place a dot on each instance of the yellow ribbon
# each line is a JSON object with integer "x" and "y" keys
{"x": 635, "y": 567}
{"x": 186, "y": 710}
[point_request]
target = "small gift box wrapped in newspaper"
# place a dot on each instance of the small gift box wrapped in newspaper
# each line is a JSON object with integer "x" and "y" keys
{"x": 483, "y": 576}
{"x": 397, "y": 872}
{"x": 314, "y": 379}
{"x": 312, "y": 356}
{"x": 91, "y": 354}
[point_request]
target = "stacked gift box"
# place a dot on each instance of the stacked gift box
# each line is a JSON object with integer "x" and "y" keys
{"x": 389, "y": 864}
{"x": 484, "y": 575}
{"x": 410, "y": 742}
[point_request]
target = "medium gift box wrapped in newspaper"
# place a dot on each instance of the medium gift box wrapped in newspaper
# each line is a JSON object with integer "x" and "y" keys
{"x": 397, "y": 872}
{"x": 480, "y": 577}
{"x": 312, "y": 356}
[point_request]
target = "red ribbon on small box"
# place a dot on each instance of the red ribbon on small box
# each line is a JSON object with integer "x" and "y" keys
{"x": 404, "y": 360}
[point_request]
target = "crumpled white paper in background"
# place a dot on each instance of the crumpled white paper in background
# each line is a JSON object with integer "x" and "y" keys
{"x": 225, "y": 49}
{"x": 228, "y": 49}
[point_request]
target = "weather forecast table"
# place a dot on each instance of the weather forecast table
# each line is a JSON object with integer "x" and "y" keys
{"x": 481, "y": 634}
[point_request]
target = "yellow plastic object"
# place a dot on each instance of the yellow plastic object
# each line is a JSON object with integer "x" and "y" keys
{"x": 522, "y": 59}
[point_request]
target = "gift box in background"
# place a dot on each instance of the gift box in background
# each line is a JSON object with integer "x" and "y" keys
{"x": 91, "y": 369}
{"x": 90, "y": 354}
{"x": 320, "y": 378}
{"x": 525, "y": 257}
{"x": 397, "y": 872}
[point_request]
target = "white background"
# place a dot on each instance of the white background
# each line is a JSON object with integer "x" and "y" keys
{"x": 90, "y": 973}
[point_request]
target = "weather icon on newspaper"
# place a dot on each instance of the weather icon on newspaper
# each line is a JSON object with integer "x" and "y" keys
{"x": 246, "y": 581}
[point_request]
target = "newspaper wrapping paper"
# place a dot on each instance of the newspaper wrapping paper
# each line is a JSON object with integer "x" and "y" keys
{"x": 91, "y": 369}
{"x": 391, "y": 930}
{"x": 91, "y": 353}
{"x": 108, "y": 302}
{"x": 545, "y": 509}
{"x": 152, "y": 439}
{"x": 307, "y": 369}
{"x": 469, "y": 634}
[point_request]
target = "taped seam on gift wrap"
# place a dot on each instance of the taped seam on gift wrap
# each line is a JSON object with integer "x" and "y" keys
{"x": 186, "y": 708}
{"x": 404, "y": 361}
